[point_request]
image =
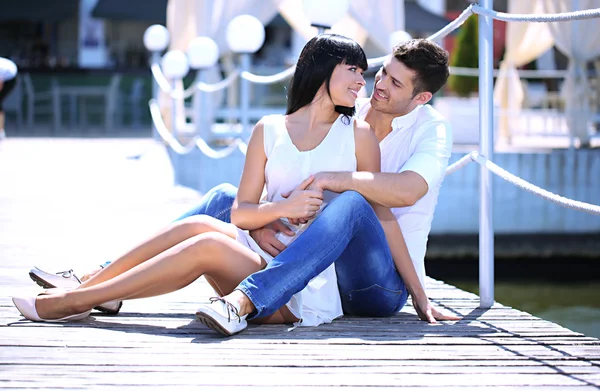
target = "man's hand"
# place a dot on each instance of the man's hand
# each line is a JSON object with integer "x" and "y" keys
{"x": 265, "y": 237}
{"x": 429, "y": 313}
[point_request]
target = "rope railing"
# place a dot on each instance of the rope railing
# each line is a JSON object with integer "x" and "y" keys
{"x": 522, "y": 184}
{"x": 269, "y": 79}
{"x": 541, "y": 18}
{"x": 199, "y": 142}
{"x": 453, "y": 25}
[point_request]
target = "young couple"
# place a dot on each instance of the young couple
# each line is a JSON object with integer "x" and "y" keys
{"x": 342, "y": 179}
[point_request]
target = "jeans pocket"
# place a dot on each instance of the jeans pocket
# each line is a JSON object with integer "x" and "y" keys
{"x": 374, "y": 301}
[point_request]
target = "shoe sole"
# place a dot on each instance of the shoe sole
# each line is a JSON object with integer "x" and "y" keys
{"x": 211, "y": 323}
{"x": 46, "y": 285}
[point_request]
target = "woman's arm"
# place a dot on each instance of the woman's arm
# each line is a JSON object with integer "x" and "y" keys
{"x": 247, "y": 211}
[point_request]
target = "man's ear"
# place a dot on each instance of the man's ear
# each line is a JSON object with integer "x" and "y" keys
{"x": 423, "y": 97}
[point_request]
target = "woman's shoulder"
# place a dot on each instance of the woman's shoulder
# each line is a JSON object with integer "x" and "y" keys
{"x": 362, "y": 130}
{"x": 271, "y": 119}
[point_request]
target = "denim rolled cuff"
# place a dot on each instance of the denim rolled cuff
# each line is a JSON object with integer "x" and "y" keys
{"x": 258, "y": 308}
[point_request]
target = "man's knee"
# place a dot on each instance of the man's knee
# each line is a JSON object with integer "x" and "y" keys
{"x": 224, "y": 190}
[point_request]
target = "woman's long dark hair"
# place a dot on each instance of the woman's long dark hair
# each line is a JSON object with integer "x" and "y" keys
{"x": 315, "y": 66}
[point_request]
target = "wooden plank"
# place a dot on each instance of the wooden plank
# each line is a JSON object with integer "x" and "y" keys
{"x": 249, "y": 376}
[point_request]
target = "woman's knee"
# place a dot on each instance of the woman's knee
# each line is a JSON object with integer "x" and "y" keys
{"x": 209, "y": 245}
{"x": 352, "y": 202}
{"x": 198, "y": 224}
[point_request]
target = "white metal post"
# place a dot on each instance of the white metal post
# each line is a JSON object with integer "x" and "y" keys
{"x": 245, "y": 93}
{"x": 203, "y": 128}
{"x": 155, "y": 60}
{"x": 174, "y": 130}
{"x": 486, "y": 146}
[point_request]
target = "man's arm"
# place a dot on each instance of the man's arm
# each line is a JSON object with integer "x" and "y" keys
{"x": 424, "y": 168}
{"x": 425, "y": 310}
{"x": 392, "y": 190}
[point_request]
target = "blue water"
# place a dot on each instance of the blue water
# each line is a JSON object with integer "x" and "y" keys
{"x": 575, "y": 306}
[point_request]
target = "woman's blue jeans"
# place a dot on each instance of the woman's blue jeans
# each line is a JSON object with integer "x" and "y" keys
{"x": 348, "y": 233}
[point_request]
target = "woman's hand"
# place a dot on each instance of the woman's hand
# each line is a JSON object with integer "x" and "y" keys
{"x": 301, "y": 203}
{"x": 427, "y": 312}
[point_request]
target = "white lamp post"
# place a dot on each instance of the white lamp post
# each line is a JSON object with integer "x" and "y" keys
{"x": 156, "y": 39}
{"x": 245, "y": 35}
{"x": 398, "y": 37}
{"x": 175, "y": 66}
{"x": 324, "y": 14}
{"x": 203, "y": 53}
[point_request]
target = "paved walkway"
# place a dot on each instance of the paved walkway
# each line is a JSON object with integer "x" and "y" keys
{"x": 67, "y": 203}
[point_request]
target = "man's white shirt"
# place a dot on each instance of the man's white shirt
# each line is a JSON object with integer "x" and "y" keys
{"x": 420, "y": 141}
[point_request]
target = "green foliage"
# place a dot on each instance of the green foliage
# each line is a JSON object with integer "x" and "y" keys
{"x": 465, "y": 55}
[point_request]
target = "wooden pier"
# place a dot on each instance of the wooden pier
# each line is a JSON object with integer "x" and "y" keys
{"x": 75, "y": 203}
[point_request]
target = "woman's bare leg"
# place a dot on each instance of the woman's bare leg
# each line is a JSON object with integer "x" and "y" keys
{"x": 164, "y": 240}
{"x": 221, "y": 257}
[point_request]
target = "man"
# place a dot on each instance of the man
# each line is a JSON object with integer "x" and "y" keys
{"x": 415, "y": 146}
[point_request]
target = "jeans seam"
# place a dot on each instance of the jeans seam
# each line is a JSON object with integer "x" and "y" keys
{"x": 222, "y": 213}
{"x": 395, "y": 291}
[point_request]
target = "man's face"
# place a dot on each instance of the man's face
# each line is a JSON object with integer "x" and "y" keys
{"x": 393, "y": 90}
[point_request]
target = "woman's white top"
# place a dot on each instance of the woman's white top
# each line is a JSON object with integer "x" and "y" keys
{"x": 285, "y": 169}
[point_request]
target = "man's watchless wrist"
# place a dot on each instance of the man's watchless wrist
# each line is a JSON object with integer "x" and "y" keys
{"x": 322, "y": 180}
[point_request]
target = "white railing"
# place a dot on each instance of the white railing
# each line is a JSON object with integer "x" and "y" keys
{"x": 482, "y": 157}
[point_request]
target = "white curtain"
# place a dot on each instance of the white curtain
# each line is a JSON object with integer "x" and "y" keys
{"x": 378, "y": 21}
{"x": 580, "y": 42}
{"x": 293, "y": 13}
{"x": 524, "y": 43}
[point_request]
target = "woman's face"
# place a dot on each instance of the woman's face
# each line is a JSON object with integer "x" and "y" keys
{"x": 345, "y": 83}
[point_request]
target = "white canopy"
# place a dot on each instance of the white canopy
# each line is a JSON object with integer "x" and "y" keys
{"x": 578, "y": 40}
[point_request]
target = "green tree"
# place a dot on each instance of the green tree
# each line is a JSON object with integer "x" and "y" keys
{"x": 465, "y": 55}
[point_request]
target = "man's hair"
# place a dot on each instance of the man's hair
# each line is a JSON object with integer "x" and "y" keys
{"x": 428, "y": 60}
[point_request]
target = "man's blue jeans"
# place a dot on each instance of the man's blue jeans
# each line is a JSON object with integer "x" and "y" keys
{"x": 348, "y": 233}
{"x": 217, "y": 203}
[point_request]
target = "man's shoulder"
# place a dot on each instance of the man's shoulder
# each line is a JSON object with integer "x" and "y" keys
{"x": 431, "y": 119}
{"x": 428, "y": 114}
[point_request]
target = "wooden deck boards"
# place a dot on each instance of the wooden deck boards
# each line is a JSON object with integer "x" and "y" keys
{"x": 76, "y": 203}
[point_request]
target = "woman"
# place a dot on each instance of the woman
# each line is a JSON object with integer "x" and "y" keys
{"x": 317, "y": 133}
